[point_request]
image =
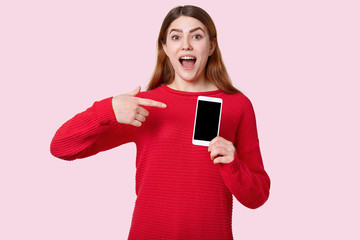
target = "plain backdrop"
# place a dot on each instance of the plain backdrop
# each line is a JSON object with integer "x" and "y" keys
{"x": 298, "y": 62}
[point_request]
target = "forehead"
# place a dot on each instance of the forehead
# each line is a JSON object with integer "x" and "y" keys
{"x": 186, "y": 24}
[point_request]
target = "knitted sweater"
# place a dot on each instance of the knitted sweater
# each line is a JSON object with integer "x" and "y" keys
{"x": 181, "y": 193}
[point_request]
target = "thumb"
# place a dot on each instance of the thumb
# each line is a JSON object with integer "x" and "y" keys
{"x": 134, "y": 92}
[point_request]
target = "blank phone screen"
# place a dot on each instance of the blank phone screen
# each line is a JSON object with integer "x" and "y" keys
{"x": 207, "y": 120}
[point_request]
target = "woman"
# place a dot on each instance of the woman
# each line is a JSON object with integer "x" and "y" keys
{"x": 183, "y": 191}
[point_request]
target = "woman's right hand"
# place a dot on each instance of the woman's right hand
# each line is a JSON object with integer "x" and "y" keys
{"x": 128, "y": 110}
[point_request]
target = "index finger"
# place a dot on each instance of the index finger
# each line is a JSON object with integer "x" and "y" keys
{"x": 151, "y": 103}
{"x": 216, "y": 139}
{"x": 212, "y": 142}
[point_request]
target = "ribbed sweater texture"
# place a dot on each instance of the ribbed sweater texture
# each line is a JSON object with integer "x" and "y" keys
{"x": 181, "y": 193}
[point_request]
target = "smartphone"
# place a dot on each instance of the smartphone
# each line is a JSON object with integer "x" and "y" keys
{"x": 207, "y": 120}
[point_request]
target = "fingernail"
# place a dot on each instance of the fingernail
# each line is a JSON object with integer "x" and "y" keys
{"x": 164, "y": 105}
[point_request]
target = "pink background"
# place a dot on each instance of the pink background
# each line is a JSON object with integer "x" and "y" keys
{"x": 298, "y": 61}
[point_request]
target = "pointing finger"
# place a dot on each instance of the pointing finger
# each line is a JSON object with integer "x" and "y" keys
{"x": 151, "y": 103}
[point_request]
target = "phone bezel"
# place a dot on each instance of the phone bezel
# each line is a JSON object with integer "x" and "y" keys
{"x": 208, "y": 99}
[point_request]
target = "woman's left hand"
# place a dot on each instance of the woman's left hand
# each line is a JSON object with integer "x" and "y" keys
{"x": 221, "y": 150}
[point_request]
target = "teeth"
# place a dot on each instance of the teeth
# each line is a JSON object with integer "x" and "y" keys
{"x": 187, "y": 58}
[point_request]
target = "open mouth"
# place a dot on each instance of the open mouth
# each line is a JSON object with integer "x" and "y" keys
{"x": 187, "y": 61}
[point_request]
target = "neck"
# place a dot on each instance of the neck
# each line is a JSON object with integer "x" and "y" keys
{"x": 192, "y": 86}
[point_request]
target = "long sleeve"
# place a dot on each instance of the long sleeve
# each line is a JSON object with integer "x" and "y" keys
{"x": 245, "y": 176}
{"x": 90, "y": 132}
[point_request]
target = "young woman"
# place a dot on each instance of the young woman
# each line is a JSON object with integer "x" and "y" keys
{"x": 184, "y": 191}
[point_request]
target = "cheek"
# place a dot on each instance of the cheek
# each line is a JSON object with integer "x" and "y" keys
{"x": 204, "y": 50}
{"x": 172, "y": 46}
{"x": 171, "y": 53}
{"x": 204, "y": 56}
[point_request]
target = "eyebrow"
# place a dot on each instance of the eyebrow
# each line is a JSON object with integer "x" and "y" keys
{"x": 192, "y": 30}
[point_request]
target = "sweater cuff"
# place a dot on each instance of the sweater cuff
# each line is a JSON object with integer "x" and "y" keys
{"x": 104, "y": 111}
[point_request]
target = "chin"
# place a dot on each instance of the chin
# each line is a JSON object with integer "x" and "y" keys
{"x": 188, "y": 78}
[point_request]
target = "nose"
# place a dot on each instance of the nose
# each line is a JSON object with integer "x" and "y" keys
{"x": 186, "y": 44}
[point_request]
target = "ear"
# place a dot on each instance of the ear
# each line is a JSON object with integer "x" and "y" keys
{"x": 212, "y": 46}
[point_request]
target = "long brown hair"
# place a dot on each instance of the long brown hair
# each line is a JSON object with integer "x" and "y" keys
{"x": 215, "y": 70}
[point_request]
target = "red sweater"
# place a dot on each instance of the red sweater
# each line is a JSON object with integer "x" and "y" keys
{"x": 181, "y": 194}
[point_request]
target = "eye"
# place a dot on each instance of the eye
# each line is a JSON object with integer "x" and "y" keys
{"x": 197, "y": 36}
{"x": 175, "y": 37}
